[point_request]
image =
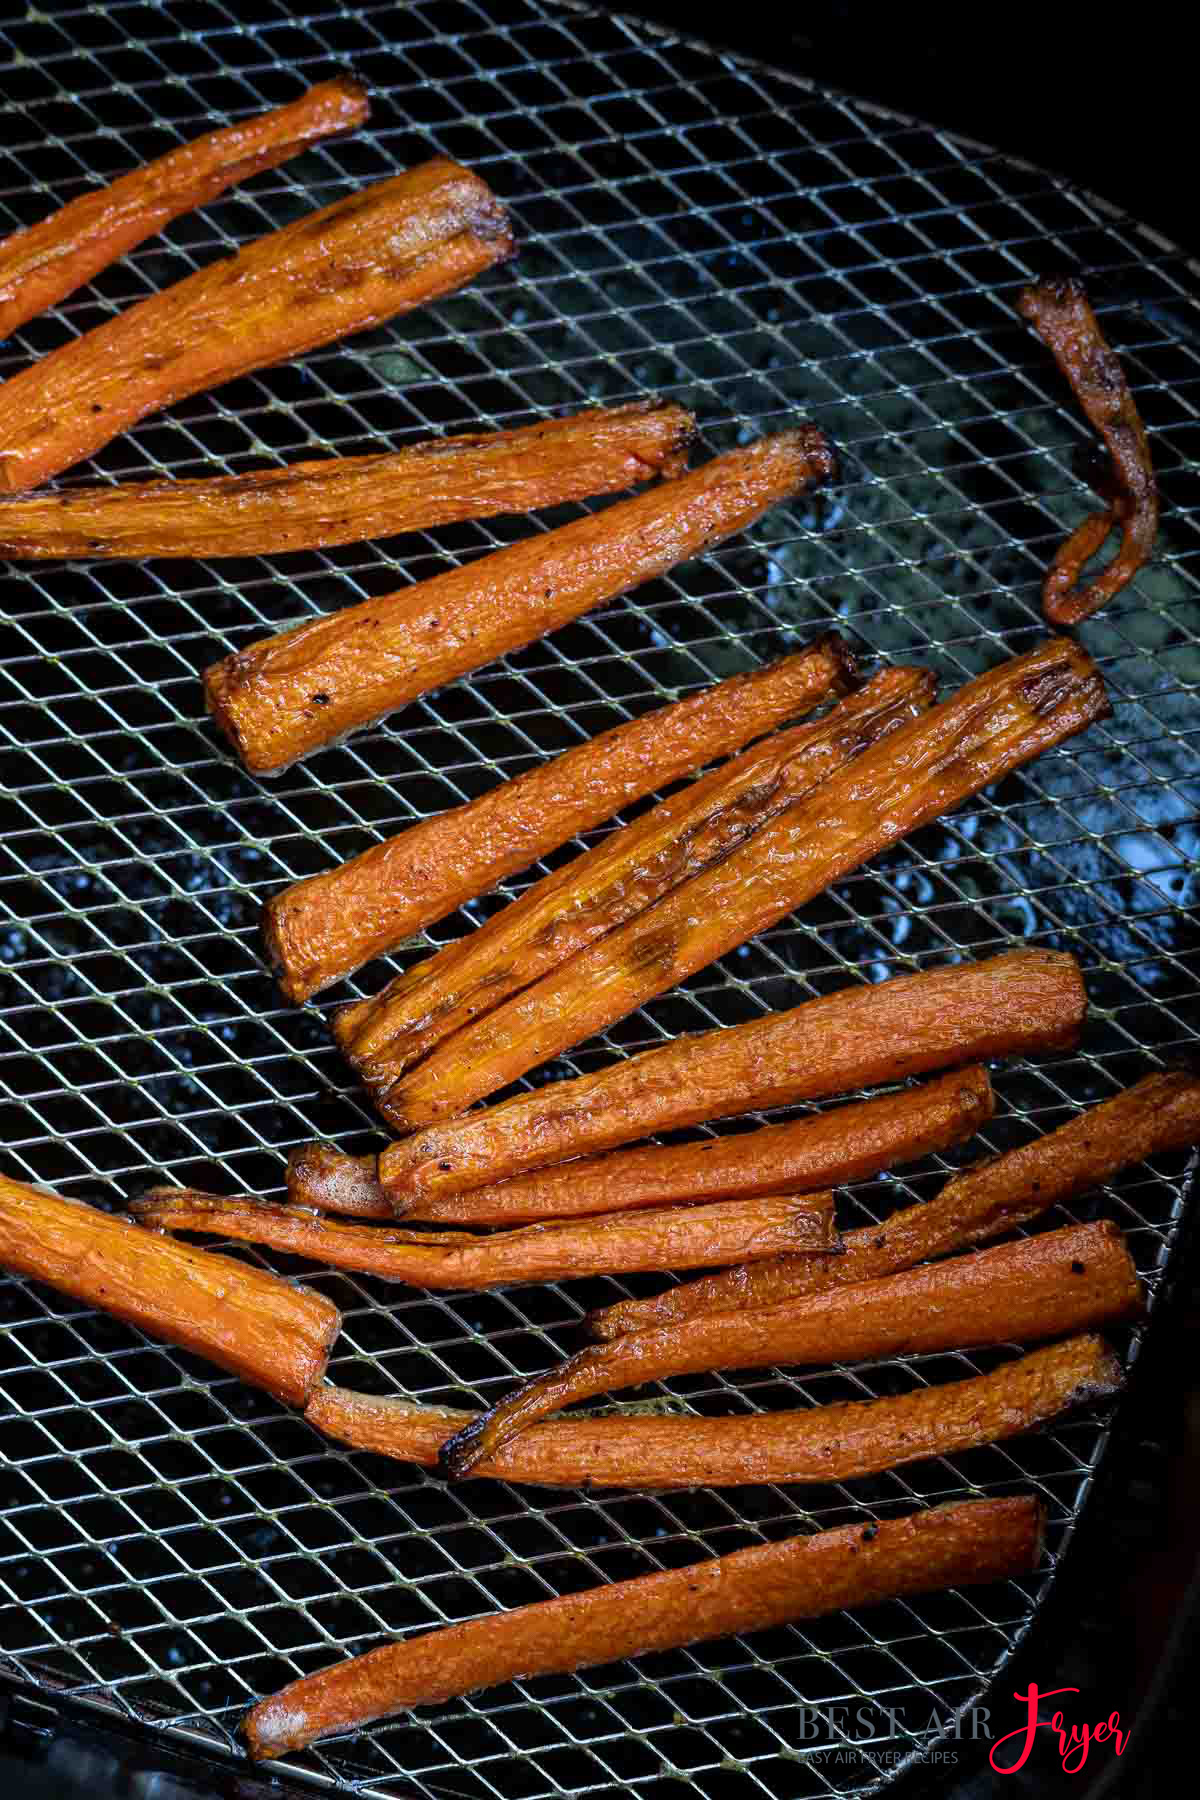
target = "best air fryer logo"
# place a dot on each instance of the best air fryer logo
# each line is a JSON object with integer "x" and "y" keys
{"x": 1075, "y": 1742}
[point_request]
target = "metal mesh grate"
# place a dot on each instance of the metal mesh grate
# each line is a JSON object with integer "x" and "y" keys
{"x": 172, "y": 1544}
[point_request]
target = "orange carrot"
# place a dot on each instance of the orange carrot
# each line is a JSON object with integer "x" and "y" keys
{"x": 282, "y": 697}
{"x": 356, "y": 263}
{"x": 1023, "y": 1001}
{"x": 341, "y": 500}
{"x": 1160, "y": 1112}
{"x": 322, "y": 928}
{"x": 749, "y": 1590}
{"x": 1038, "y": 1287}
{"x": 45, "y": 263}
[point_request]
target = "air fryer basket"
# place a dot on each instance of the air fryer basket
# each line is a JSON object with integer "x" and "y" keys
{"x": 173, "y": 1545}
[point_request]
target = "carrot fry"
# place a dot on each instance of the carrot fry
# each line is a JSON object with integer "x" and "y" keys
{"x": 271, "y": 1334}
{"x": 1023, "y": 1001}
{"x": 1062, "y": 317}
{"x": 612, "y": 885}
{"x": 342, "y": 500}
{"x": 815, "y": 1444}
{"x": 356, "y": 263}
{"x": 320, "y": 929}
{"x": 1159, "y": 1113}
{"x": 677, "y": 1237}
{"x": 990, "y": 727}
{"x": 850, "y": 1144}
{"x": 1037, "y": 1287}
{"x": 973, "y": 1542}
{"x": 44, "y": 264}
{"x": 282, "y": 697}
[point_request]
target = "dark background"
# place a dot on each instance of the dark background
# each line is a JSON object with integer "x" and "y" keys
{"x": 1058, "y": 87}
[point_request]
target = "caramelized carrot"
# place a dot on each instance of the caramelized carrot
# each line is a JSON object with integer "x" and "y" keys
{"x": 849, "y": 1144}
{"x": 749, "y": 1590}
{"x": 812, "y": 1444}
{"x": 1023, "y": 1001}
{"x": 320, "y": 929}
{"x": 990, "y": 727}
{"x": 675, "y": 1237}
{"x": 354, "y": 264}
{"x": 282, "y": 697}
{"x": 612, "y": 885}
{"x": 44, "y": 264}
{"x": 1159, "y": 1113}
{"x": 342, "y": 500}
{"x": 1062, "y": 317}
{"x": 1038, "y": 1287}
{"x": 271, "y": 1334}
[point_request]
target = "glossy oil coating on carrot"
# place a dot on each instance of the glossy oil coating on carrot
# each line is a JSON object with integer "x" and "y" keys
{"x": 321, "y": 929}
{"x": 611, "y": 885}
{"x": 973, "y": 1542}
{"x": 1159, "y": 1113}
{"x": 675, "y": 1237}
{"x": 354, "y": 264}
{"x": 1038, "y": 1287}
{"x": 342, "y": 500}
{"x": 849, "y": 1144}
{"x": 1021, "y": 1002}
{"x": 990, "y": 727}
{"x": 813, "y": 1444}
{"x": 44, "y": 264}
{"x": 260, "y": 1328}
{"x": 282, "y": 697}
{"x": 1061, "y": 315}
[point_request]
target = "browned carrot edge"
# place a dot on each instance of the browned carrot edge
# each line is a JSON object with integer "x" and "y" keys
{"x": 767, "y": 1585}
{"x": 1161, "y": 1112}
{"x": 1038, "y": 1287}
{"x": 808, "y": 1444}
{"x": 42, "y": 265}
{"x": 269, "y": 1333}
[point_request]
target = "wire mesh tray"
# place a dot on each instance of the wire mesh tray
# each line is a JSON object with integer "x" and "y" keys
{"x": 172, "y": 1544}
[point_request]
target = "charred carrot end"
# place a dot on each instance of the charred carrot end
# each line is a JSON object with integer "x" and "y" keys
{"x": 43, "y": 265}
{"x": 1060, "y": 313}
{"x": 320, "y": 929}
{"x": 355, "y": 264}
{"x": 1159, "y": 1113}
{"x": 1039, "y": 1287}
{"x": 819, "y": 1444}
{"x": 420, "y": 1024}
{"x": 848, "y": 1144}
{"x": 974, "y": 1542}
{"x": 1020, "y": 1003}
{"x": 323, "y": 1176}
{"x": 269, "y": 1333}
{"x": 343, "y": 500}
{"x": 285, "y": 696}
{"x": 666, "y": 1238}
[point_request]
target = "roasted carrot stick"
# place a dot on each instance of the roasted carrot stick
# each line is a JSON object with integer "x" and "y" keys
{"x": 1062, "y": 317}
{"x": 342, "y": 500}
{"x": 820, "y": 1443}
{"x": 1037, "y": 1287}
{"x": 1024, "y": 1001}
{"x": 284, "y": 696}
{"x": 320, "y": 929}
{"x": 674, "y": 1237}
{"x": 850, "y": 1144}
{"x": 613, "y": 884}
{"x": 269, "y": 1333}
{"x": 1159, "y": 1113}
{"x": 973, "y": 1542}
{"x": 354, "y": 264}
{"x": 990, "y": 727}
{"x": 44, "y": 264}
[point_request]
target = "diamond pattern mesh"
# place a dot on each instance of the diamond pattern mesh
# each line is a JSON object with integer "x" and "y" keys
{"x": 171, "y": 1544}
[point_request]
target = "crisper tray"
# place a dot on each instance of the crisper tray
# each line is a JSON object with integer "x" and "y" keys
{"x": 173, "y": 1545}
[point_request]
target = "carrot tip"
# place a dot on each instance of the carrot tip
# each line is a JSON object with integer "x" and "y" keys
{"x": 462, "y": 1453}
